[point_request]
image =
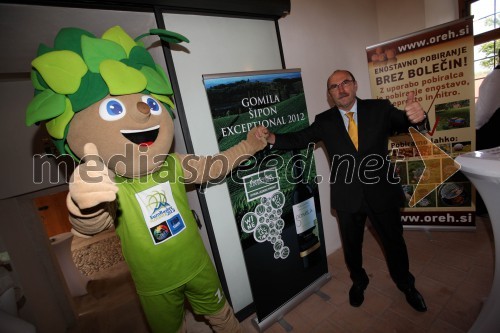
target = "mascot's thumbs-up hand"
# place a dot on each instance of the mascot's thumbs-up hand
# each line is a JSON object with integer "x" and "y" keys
{"x": 92, "y": 182}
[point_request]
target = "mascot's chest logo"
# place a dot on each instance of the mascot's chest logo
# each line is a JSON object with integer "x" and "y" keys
{"x": 160, "y": 212}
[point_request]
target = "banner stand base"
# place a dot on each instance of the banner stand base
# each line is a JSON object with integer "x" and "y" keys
{"x": 286, "y": 326}
{"x": 279, "y": 313}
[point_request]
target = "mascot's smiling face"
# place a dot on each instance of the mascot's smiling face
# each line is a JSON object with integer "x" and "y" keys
{"x": 133, "y": 133}
{"x": 108, "y": 91}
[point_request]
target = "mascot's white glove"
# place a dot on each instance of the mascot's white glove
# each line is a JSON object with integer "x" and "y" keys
{"x": 92, "y": 192}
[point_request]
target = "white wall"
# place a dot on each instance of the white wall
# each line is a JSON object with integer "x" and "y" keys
{"x": 399, "y": 17}
{"x": 440, "y": 11}
{"x": 320, "y": 36}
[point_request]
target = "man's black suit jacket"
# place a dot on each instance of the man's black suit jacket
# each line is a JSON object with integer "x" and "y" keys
{"x": 357, "y": 174}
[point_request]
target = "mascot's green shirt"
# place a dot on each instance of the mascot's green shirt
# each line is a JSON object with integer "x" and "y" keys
{"x": 158, "y": 232}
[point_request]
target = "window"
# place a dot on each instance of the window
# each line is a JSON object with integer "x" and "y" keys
{"x": 486, "y": 35}
{"x": 486, "y": 15}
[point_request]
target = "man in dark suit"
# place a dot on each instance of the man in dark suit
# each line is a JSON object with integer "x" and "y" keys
{"x": 362, "y": 180}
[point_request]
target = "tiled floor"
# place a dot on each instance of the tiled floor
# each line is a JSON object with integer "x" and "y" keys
{"x": 454, "y": 272}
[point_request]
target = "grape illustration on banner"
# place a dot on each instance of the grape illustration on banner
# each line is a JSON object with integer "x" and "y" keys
{"x": 266, "y": 224}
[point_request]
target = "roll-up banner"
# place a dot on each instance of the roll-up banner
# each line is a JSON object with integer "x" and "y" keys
{"x": 438, "y": 65}
{"x": 274, "y": 194}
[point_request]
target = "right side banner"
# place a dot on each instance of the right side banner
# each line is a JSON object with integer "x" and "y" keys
{"x": 438, "y": 65}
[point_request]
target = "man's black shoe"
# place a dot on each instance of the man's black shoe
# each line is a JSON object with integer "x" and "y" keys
{"x": 356, "y": 294}
{"x": 416, "y": 300}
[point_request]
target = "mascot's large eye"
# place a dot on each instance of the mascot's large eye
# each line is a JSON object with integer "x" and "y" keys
{"x": 112, "y": 109}
{"x": 154, "y": 106}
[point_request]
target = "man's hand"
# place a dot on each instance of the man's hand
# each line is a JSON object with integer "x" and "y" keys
{"x": 92, "y": 182}
{"x": 413, "y": 109}
{"x": 263, "y": 132}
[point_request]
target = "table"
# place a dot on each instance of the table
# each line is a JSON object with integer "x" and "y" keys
{"x": 482, "y": 168}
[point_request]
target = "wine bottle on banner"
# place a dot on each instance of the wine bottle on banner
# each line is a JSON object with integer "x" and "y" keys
{"x": 304, "y": 213}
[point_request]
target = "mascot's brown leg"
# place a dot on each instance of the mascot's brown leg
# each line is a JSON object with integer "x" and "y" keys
{"x": 224, "y": 321}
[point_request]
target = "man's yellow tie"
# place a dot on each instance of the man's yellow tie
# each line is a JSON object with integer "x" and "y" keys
{"x": 352, "y": 129}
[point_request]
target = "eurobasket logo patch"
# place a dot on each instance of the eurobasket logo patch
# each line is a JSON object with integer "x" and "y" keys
{"x": 157, "y": 203}
{"x": 160, "y": 212}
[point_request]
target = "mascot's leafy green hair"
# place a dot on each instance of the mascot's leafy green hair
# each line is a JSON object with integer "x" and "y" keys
{"x": 82, "y": 69}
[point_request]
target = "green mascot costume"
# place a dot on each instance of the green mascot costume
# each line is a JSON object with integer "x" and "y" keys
{"x": 107, "y": 103}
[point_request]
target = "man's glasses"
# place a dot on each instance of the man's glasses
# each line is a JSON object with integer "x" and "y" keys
{"x": 341, "y": 84}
